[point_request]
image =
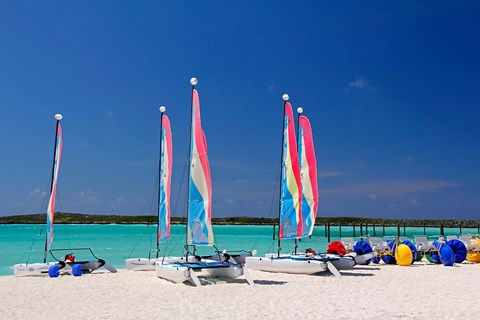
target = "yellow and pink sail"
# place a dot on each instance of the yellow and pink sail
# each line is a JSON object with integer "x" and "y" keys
{"x": 199, "y": 225}
{"x": 308, "y": 168}
{"x": 290, "y": 226}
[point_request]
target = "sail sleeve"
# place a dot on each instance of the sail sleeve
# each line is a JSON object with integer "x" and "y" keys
{"x": 199, "y": 230}
{"x": 165, "y": 181}
{"x": 291, "y": 197}
{"x": 308, "y": 167}
{"x": 51, "y": 201}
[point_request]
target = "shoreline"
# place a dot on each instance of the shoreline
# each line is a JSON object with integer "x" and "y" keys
{"x": 77, "y": 218}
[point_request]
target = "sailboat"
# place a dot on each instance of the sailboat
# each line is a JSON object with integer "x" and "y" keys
{"x": 298, "y": 193}
{"x": 199, "y": 231}
{"x": 163, "y": 196}
{"x": 308, "y": 169}
{"x": 68, "y": 264}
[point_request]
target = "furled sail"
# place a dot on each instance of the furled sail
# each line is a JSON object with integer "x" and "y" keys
{"x": 308, "y": 167}
{"x": 53, "y": 191}
{"x": 291, "y": 197}
{"x": 165, "y": 180}
{"x": 199, "y": 231}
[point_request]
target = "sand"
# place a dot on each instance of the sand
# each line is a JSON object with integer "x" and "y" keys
{"x": 367, "y": 292}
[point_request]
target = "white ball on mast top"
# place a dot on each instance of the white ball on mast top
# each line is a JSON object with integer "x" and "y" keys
{"x": 58, "y": 117}
{"x": 299, "y": 109}
{"x": 162, "y": 109}
{"x": 285, "y": 97}
{"x": 194, "y": 81}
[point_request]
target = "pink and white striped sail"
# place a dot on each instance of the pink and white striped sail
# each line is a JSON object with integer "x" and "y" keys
{"x": 51, "y": 201}
{"x": 308, "y": 166}
{"x": 199, "y": 230}
{"x": 165, "y": 181}
{"x": 290, "y": 226}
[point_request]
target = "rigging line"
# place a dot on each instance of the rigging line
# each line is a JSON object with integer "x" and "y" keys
{"x": 153, "y": 206}
{"x": 138, "y": 242}
{"x": 43, "y": 208}
{"x": 29, "y": 250}
{"x": 151, "y": 213}
{"x": 67, "y": 233}
{"x": 176, "y": 205}
{"x": 271, "y": 207}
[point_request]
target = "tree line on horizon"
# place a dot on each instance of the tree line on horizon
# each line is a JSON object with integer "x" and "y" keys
{"x": 78, "y": 218}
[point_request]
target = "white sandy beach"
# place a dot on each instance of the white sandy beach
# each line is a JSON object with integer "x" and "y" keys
{"x": 366, "y": 292}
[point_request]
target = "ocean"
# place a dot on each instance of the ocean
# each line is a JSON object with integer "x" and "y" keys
{"x": 114, "y": 243}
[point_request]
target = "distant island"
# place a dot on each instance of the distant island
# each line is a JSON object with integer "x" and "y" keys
{"x": 77, "y": 218}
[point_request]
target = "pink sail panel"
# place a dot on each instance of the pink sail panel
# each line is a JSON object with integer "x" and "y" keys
{"x": 51, "y": 202}
{"x": 290, "y": 226}
{"x": 199, "y": 231}
{"x": 165, "y": 181}
{"x": 308, "y": 165}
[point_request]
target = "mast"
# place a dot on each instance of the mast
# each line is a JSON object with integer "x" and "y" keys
{"x": 58, "y": 117}
{"x": 160, "y": 174}
{"x": 299, "y": 139}
{"x": 285, "y": 98}
{"x": 193, "y": 82}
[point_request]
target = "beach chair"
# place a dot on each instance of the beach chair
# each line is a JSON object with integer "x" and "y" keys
{"x": 466, "y": 239}
{"x": 378, "y": 245}
{"x": 423, "y": 245}
{"x": 348, "y": 243}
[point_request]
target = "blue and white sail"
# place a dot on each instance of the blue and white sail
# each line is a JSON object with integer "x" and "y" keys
{"x": 199, "y": 230}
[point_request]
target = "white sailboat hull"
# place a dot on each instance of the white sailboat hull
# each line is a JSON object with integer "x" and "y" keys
{"x": 32, "y": 269}
{"x": 178, "y": 272}
{"x": 233, "y": 272}
{"x": 140, "y": 264}
{"x": 339, "y": 262}
{"x": 41, "y": 269}
{"x": 285, "y": 265}
{"x": 172, "y": 272}
{"x": 342, "y": 262}
{"x": 145, "y": 264}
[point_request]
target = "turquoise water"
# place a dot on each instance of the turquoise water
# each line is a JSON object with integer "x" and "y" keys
{"x": 115, "y": 243}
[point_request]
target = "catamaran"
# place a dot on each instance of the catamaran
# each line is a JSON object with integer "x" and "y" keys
{"x": 292, "y": 224}
{"x": 199, "y": 230}
{"x": 163, "y": 197}
{"x": 67, "y": 264}
{"x": 308, "y": 168}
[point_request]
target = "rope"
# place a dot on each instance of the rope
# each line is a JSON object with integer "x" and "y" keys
{"x": 151, "y": 211}
{"x": 177, "y": 233}
{"x": 271, "y": 208}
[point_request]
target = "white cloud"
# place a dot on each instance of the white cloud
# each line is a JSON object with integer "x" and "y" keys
{"x": 228, "y": 200}
{"x": 407, "y": 159}
{"x": 323, "y": 173}
{"x": 37, "y": 194}
{"x": 371, "y": 196}
{"x": 119, "y": 200}
{"x": 397, "y": 188}
{"x": 110, "y": 115}
{"x": 89, "y": 197}
{"x": 360, "y": 83}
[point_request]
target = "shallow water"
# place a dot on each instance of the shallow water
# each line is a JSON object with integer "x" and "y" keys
{"x": 114, "y": 243}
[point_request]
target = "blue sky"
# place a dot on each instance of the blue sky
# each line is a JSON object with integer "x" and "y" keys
{"x": 391, "y": 89}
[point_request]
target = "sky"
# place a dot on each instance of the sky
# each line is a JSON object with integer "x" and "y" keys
{"x": 391, "y": 90}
